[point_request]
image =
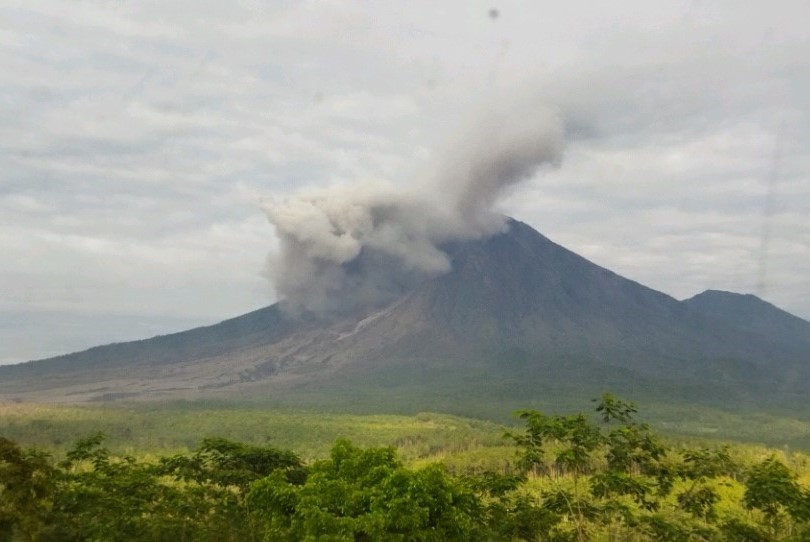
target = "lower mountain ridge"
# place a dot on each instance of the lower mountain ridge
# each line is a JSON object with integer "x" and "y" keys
{"x": 519, "y": 320}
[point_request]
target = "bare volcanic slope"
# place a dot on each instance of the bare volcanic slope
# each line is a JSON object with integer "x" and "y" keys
{"x": 518, "y": 319}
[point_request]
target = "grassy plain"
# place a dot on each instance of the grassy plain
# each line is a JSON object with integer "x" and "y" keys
{"x": 143, "y": 428}
{"x": 175, "y": 427}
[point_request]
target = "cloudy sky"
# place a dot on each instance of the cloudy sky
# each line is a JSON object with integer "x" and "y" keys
{"x": 139, "y": 139}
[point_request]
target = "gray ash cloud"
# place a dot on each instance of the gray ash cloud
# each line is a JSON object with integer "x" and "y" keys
{"x": 357, "y": 246}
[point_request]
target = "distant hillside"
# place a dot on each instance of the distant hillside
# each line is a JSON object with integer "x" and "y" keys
{"x": 750, "y": 313}
{"x": 518, "y": 320}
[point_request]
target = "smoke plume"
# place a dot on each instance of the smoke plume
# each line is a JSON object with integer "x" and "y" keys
{"x": 349, "y": 247}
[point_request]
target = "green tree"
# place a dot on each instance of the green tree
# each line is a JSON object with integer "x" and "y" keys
{"x": 771, "y": 488}
{"x": 571, "y": 441}
{"x": 367, "y": 494}
{"x": 226, "y": 463}
{"x": 26, "y": 491}
{"x": 103, "y": 497}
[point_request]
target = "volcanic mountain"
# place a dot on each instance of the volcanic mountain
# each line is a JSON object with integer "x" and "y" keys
{"x": 518, "y": 320}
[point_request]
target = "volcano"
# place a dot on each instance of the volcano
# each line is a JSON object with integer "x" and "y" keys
{"x": 518, "y": 320}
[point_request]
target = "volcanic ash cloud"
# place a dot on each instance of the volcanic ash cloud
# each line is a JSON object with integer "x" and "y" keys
{"x": 357, "y": 246}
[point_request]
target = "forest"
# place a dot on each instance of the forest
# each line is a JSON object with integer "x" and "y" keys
{"x": 599, "y": 476}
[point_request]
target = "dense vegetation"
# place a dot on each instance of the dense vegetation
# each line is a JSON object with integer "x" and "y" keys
{"x": 568, "y": 477}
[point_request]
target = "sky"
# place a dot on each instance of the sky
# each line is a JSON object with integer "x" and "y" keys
{"x": 140, "y": 140}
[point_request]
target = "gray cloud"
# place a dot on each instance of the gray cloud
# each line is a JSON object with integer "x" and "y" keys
{"x": 360, "y": 245}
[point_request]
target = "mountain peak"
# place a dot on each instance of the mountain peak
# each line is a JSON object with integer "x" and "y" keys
{"x": 750, "y": 313}
{"x": 517, "y": 317}
{"x": 726, "y": 295}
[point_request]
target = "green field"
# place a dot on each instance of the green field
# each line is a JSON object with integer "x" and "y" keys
{"x": 158, "y": 428}
{"x": 177, "y": 426}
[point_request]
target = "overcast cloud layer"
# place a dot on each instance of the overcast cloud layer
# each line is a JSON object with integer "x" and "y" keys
{"x": 139, "y": 139}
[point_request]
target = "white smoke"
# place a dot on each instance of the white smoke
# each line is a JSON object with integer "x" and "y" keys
{"x": 349, "y": 247}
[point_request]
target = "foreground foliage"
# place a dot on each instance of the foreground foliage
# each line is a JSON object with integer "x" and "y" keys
{"x": 573, "y": 479}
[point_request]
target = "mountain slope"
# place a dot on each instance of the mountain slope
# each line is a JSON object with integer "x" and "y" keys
{"x": 522, "y": 290}
{"x": 517, "y": 319}
{"x": 525, "y": 313}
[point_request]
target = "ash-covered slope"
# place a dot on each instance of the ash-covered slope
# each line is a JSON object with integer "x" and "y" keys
{"x": 518, "y": 318}
{"x": 113, "y": 368}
